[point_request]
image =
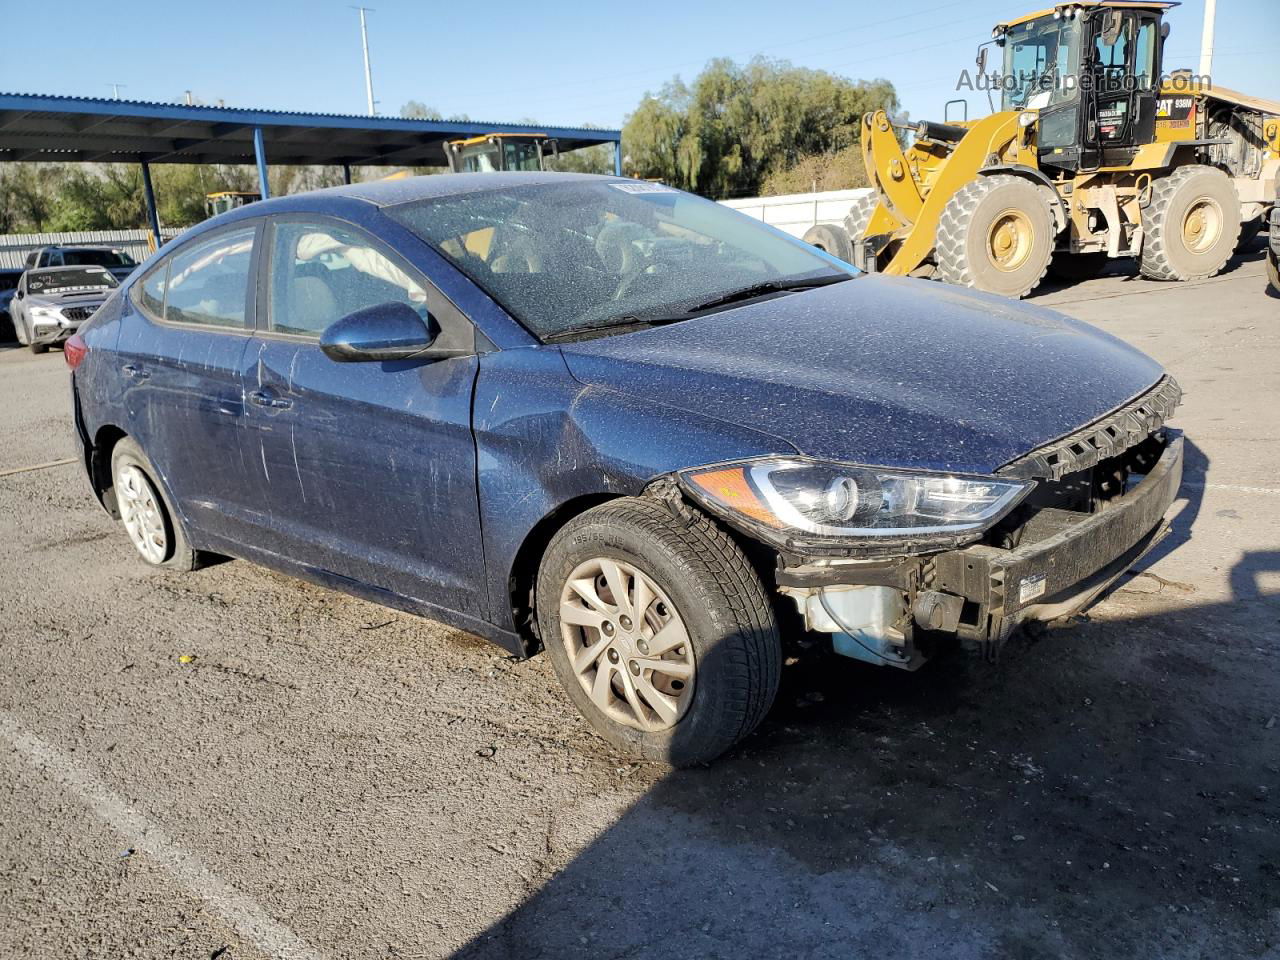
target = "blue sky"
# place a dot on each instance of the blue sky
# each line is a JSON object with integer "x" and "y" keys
{"x": 560, "y": 63}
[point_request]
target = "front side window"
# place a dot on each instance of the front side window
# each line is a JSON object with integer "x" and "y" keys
{"x": 208, "y": 280}
{"x": 321, "y": 272}
{"x": 561, "y": 256}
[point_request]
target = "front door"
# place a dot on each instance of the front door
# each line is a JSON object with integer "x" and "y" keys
{"x": 368, "y": 470}
{"x": 1123, "y": 81}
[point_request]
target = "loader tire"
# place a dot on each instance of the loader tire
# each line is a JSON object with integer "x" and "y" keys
{"x": 1190, "y": 226}
{"x": 997, "y": 235}
{"x": 830, "y": 238}
{"x": 856, "y": 222}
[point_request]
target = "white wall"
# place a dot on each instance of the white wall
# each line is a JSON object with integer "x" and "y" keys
{"x": 795, "y": 213}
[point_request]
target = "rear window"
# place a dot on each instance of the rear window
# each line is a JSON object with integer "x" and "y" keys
{"x": 86, "y": 280}
{"x": 100, "y": 258}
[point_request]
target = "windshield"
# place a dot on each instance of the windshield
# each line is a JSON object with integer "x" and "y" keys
{"x": 588, "y": 253}
{"x": 89, "y": 280}
{"x": 481, "y": 158}
{"x": 1041, "y": 58}
{"x": 97, "y": 258}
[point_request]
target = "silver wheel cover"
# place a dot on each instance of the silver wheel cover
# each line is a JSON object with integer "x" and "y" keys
{"x": 627, "y": 644}
{"x": 141, "y": 513}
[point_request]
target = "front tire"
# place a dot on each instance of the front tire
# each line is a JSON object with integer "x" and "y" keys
{"x": 145, "y": 511}
{"x": 659, "y": 630}
{"x": 1191, "y": 225}
{"x": 997, "y": 235}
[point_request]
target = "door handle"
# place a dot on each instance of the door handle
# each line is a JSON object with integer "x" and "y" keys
{"x": 264, "y": 398}
{"x": 135, "y": 371}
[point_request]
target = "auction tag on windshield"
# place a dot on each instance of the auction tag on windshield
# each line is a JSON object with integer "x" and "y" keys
{"x": 1031, "y": 587}
{"x": 643, "y": 187}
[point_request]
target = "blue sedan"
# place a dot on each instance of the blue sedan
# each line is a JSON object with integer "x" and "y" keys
{"x": 621, "y": 424}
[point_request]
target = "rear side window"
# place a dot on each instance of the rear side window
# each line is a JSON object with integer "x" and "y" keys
{"x": 207, "y": 282}
{"x": 320, "y": 272}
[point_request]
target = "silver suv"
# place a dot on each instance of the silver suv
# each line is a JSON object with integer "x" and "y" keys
{"x": 51, "y": 303}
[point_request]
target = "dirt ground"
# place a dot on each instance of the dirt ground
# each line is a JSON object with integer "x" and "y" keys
{"x": 232, "y": 764}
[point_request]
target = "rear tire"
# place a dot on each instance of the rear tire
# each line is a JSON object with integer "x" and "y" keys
{"x": 146, "y": 512}
{"x": 1273, "y": 272}
{"x": 705, "y": 586}
{"x": 997, "y": 235}
{"x": 830, "y": 238}
{"x": 1191, "y": 226}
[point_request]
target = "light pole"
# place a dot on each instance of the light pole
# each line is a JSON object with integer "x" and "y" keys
{"x": 368, "y": 74}
{"x": 1206, "y": 40}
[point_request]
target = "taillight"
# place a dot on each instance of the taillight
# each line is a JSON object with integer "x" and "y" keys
{"x": 75, "y": 350}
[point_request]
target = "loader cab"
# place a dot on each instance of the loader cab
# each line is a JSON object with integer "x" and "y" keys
{"x": 497, "y": 152}
{"x": 1092, "y": 71}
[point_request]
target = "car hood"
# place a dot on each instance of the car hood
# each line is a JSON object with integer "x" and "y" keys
{"x": 67, "y": 300}
{"x": 881, "y": 370}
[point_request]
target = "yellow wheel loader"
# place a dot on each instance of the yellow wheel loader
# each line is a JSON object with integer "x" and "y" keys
{"x": 1094, "y": 154}
{"x": 495, "y": 152}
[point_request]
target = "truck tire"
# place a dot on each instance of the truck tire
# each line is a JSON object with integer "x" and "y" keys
{"x": 830, "y": 238}
{"x": 694, "y": 701}
{"x": 1273, "y": 273}
{"x": 997, "y": 235}
{"x": 1191, "y": 225}
{"x": 859, "y": 216}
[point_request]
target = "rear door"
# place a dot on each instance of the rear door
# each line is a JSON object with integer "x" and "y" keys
{"x": 367, "y": 470}
{"x": 184, "y": 335}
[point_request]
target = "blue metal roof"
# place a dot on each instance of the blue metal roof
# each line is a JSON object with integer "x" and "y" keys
{"x": 87, "y": 129}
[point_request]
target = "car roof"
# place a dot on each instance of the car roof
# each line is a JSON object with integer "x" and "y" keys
{"x": 386, "y": 193}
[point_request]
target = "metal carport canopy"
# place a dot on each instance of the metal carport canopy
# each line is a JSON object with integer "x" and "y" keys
{"x": 43, "y": 127}
{"x": 39, "y": 127}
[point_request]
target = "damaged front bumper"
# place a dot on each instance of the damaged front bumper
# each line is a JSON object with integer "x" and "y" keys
{"x": 882, "y": 610}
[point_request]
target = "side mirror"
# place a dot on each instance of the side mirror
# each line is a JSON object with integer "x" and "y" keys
{"x": 982, "y": 60}
{"x": 388, "y": 331}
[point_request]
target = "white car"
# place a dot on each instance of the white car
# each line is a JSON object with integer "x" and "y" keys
{"x": 51, "y": 303}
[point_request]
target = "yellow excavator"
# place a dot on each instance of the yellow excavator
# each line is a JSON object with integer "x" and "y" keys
{"x": 1094, "y": 154}
{"x": 495, "y": 152}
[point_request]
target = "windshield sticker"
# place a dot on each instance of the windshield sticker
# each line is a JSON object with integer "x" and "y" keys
{"x": 643, "y": 187}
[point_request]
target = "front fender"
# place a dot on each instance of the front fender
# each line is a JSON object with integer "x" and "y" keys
{"x": 543, "y": 439}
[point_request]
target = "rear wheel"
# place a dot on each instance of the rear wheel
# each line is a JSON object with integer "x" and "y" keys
{"x": 145, "y": 512}
{"x": 997, "y": 234}
{"x": 830, "y": 238}
{"x": 1191, "y": 225}
{"x": 659, "y": 630}
{"x": 1273, "y": 272}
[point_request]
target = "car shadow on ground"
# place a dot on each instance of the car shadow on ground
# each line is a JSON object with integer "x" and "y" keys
{"x": 1108, "y": 789}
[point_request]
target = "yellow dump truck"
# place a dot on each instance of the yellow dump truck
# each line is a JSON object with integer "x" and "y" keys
{"x": 1095, "y": 153}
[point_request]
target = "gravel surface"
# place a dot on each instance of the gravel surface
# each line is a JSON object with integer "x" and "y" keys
{"x": 233, "y": 764}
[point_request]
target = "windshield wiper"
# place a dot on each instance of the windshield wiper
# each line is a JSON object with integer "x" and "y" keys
{"x": 769, "y": 286}
{"x": 615, "y": 325}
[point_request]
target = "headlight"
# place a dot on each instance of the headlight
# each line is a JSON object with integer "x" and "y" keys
{"x": 45, "y": 314}
{"x": 1027, "y": 118}
{"x": 786, "y": 500}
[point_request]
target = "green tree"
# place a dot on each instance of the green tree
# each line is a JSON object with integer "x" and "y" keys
{"x": 735, "y": 126}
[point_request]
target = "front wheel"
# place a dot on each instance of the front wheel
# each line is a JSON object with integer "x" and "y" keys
{"x": 997, "y": 235}
{"x": 659, "y": 630}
